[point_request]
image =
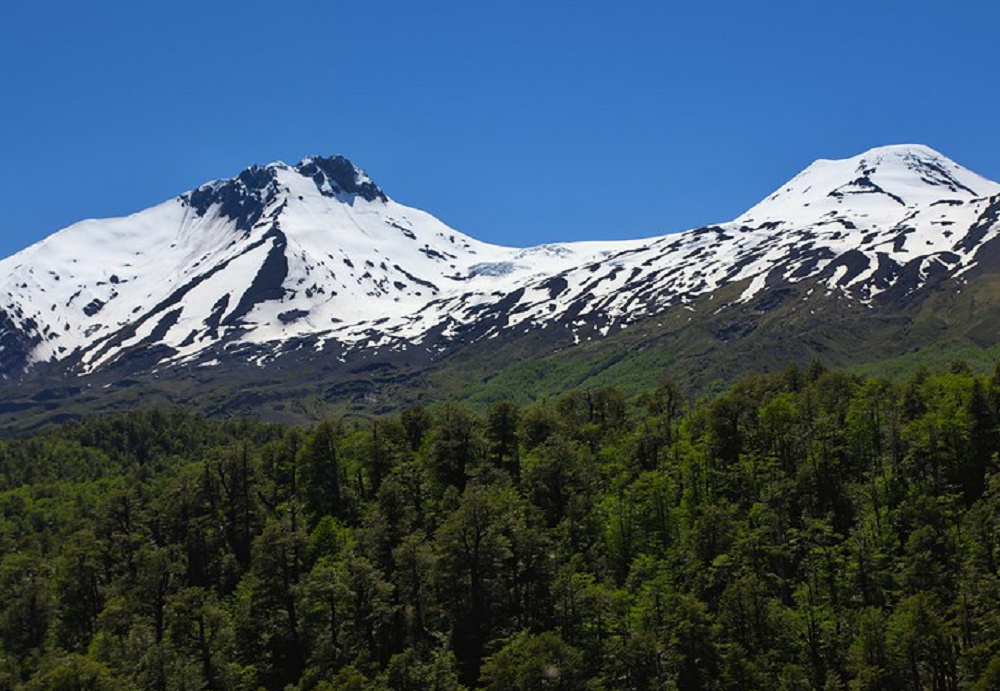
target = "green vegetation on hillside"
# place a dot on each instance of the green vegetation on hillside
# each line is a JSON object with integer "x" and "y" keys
{"x": 807, "y": 530}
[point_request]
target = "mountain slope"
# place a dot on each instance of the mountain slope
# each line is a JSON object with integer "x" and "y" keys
{"x": 313, "y": 266}
{"x": 889, "y": 220}
{"x": 276, "y": 253}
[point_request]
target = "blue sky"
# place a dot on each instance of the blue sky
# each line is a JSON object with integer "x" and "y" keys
{"x": 516, "y": 122}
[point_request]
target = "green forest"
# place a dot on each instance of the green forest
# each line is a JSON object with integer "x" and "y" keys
{"x": 810, "y": 529}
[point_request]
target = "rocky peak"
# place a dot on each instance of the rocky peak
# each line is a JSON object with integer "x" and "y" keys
{"x": 336, "y": 175}
{"x": 242, "y": 199}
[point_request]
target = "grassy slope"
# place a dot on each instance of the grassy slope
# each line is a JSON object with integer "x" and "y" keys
{"x": 892, "y": 340}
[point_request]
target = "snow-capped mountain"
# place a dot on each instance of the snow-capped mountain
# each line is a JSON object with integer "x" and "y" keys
{"x": 315, "y": 256}
{"x": 889, "y": 219}
{"x": 277, "y": 252}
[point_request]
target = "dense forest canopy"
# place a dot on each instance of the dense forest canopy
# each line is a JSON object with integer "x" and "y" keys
{"x": 808, "y": 530}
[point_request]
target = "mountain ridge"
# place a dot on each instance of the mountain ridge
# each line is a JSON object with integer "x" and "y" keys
{"x": 313, "y": 261}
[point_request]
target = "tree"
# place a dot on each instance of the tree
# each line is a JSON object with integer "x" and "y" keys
{"x": 456, "y": 446}
{"x": 406, "y": 671}
{"x": 502, "y": 432}
{"x": 925, "y": 658}
{"x": 472, "y": 548}
{"x": 73, "y": 673}
{"x": 869, "y": 652}
{"x": 321, "y": 472}
{"x": 78, "y": 592}
{"x": 25, "y": 602}
{"x": 267, "y": 618}
{"x": 534, "y": 662}
{"x": 416, "y": 422}
{"x": 201, "y": 630}
{"x": 365, "y": 601}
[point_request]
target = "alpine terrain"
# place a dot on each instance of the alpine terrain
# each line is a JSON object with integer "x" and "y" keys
{"x": 308, "y": 282}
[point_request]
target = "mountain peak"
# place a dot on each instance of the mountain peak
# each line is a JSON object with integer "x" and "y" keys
{"x": 241, "y": 198}
{"x": 337, "y": 175}
{"x": 903, "y": 150}
{"x": 245, "y": 197}
{"x": 882, "y": 181}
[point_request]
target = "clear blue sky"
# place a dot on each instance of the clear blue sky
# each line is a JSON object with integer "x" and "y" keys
{"x": 517, "y": 122}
